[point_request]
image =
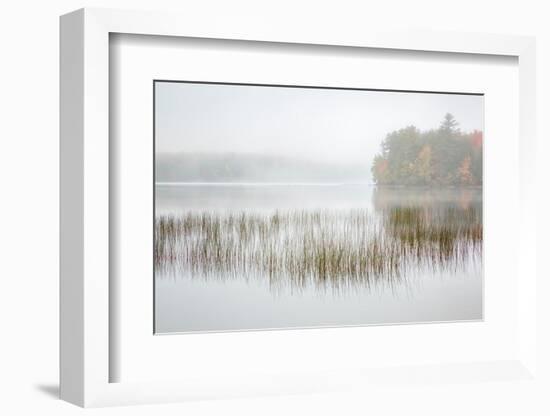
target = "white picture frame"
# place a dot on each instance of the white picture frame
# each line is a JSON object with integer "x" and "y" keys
{"x": 85, "y": 222}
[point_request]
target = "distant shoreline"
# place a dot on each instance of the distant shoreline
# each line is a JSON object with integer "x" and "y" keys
{"x": 423, "y": 187}
{"x": 261, "y": 184}
{"x": 428, "y": 186}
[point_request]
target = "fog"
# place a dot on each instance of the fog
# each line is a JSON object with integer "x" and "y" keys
{"x": 318, "y": 125}
{"x": 267, "y": 217}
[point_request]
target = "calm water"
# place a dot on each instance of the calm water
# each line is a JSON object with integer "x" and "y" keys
{"x": 426, "y": 243}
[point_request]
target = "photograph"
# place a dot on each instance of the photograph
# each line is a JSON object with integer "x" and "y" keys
{"x": 285, "y": 207}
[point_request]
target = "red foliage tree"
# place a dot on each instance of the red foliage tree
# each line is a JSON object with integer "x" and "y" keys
{"x": 477, "y": 139}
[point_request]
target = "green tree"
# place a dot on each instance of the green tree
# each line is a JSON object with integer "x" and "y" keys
{"x": 443, "y": 156}
{"x": 449, "y": 123}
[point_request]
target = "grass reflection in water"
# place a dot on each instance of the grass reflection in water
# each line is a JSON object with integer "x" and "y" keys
{"x": 335, "y": 250}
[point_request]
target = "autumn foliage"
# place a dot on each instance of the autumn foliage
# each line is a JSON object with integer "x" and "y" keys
{"x": 445, "y": 156}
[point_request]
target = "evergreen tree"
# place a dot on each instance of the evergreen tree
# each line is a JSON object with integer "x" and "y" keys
{"x": 449, "y": 124}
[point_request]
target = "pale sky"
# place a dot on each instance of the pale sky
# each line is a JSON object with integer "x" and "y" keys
{"x": 318, "y": 124}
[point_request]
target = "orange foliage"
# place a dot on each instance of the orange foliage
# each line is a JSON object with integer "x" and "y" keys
{"x": 477, "y": 139}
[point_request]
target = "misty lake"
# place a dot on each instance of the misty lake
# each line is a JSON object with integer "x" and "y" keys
{"x": 264, "y": 256}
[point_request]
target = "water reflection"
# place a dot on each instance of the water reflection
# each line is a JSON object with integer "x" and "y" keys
{"x": 410, "y": 232}
{"x": 463, "y": 198}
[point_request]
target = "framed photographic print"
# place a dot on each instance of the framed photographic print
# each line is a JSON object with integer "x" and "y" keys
{"x": 260, "y": 211}
{"x": 288, "y": 206}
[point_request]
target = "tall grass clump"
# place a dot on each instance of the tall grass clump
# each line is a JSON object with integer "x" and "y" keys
{"x": 326, "y": 249}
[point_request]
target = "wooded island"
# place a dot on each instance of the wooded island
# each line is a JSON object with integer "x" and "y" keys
{"x": 439, "y": 157}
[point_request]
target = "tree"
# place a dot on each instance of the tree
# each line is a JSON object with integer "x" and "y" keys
{"x": 464, "y": 171}
{"x": 449, "y": 124}
{"x": 442, "y": 156}
{"x": 379, "y": 169}
{"x": 423, "y": 169}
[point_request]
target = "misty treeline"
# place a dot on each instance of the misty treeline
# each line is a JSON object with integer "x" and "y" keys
{"x": 442, "y": 157}
{"x": 242, "y": 167}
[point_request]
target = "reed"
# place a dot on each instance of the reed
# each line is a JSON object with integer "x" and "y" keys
{"x": 327, "y": 249}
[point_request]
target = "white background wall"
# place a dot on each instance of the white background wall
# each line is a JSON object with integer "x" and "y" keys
{"x": 29, "y": 208}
